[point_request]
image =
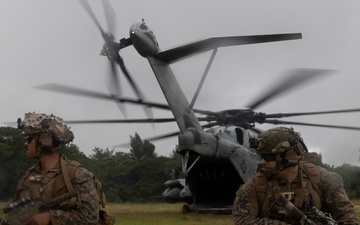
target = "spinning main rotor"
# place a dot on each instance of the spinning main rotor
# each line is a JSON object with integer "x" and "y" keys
{"x": 246, "y": 118}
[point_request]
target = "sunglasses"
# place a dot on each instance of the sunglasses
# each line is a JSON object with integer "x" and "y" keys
{"x": 268, "y": 157}
{"x": 29, "y": 139}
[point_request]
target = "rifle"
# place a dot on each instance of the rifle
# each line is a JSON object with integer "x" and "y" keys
{"x": 22, "y": 210}
{"x": 314, "y": 217}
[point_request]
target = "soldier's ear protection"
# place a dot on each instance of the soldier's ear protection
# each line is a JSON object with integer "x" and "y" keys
{"x": 293, "y": 142}
{"x": 45, "y": 141}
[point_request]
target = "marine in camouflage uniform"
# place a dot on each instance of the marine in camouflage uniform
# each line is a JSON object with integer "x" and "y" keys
{"x": 281, "y": 151}
{"x": 46, "y": 135}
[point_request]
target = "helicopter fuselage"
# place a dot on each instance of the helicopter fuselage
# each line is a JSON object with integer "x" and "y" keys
{"x": 228, "y": 147}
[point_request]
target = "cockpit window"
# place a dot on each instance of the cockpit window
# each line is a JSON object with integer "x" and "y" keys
{"x": 151, "y": 38}
{"x": 239, "y": 135}
{"x": 143, "y": 26}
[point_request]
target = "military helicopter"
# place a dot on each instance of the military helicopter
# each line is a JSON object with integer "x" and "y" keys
{"x": 216, "y": 156}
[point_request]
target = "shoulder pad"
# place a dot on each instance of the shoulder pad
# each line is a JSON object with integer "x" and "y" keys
{"x": 330, "y": 180}
{"x": 70, "y": 162}
{"x": 73, "y": 163}
{"x": 82, "y": 175}
{"x": 311, "y": 170}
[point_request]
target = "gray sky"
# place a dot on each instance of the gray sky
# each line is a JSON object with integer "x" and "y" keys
{"x": 48, "y": 41}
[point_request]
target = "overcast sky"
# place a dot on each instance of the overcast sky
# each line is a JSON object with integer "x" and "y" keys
{"x": 48, "y": 41}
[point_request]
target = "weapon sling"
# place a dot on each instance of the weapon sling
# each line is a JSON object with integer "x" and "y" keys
{"x": 68, "y": 184}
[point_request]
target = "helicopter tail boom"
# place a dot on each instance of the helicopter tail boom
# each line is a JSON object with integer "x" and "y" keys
{"x": 179, "y": 105}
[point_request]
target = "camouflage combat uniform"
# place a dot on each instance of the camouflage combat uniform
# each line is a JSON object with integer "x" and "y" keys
{"x": 255, "y": 198}
{"x": 44, "y": 187}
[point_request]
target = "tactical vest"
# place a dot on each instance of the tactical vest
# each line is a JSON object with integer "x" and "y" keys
{"x": 268, "y": 189}
{"x": 54, "y": 183}
{"x": 57, "y": 182}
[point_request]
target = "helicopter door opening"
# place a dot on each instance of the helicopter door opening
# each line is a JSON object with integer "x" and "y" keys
{"x": 211, "y": 180}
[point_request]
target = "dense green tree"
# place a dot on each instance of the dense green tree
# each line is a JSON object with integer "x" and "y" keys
{"x": 148, "y": 150}
{"x": 145, "y": 179}
{"x": 139, "y": 149}
{"x": 136, "y": 176}
{"x": 351, "y": 177}
{"x": 13, "y": 160}
{"x": 73, "y": 152}
{"x": 135, "y": 143}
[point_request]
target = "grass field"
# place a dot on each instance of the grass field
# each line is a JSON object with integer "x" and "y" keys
{"x": 171, "y": 214}
{"x": 163, "y": 214}
{"x": 167, "y": 214}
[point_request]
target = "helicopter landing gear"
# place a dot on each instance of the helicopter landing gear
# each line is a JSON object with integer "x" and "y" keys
{"x": 186, "y": 209}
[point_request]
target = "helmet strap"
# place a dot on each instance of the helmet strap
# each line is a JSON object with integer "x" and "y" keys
{"x": 58, "y": 147}
{"x": 37, "y": 148}
{"x": 279, "y": 167}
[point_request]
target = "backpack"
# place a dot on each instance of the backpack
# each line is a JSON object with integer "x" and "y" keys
{"x": 68, "y": 170}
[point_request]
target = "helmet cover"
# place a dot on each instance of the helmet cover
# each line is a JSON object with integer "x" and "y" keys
{"x": 36, "y": 123}
{"x": 281, "y": 141}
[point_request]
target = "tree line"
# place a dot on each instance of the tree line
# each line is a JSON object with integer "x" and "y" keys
{"x": 136, "y": 176}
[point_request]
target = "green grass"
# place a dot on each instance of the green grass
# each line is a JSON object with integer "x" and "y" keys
{"x": 162, "y": 214}
{"x": 356, "y": 203}
{"x": 167, "y": 214}
{"x": 171, "y": 214}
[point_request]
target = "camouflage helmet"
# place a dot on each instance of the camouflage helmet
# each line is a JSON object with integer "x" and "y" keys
{"x": 281, "y": 141}
{"x": 36, "y": 123}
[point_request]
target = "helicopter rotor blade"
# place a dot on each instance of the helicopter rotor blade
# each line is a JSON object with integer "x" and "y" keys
{"x": 134, "y": 86}
{"x": 110, "y": 16}
{"x": 182, "y": 52}
{"x": 160, "y": 120}
{"x": 140, "y": 96}
{"x": 280, "y": 115}
{"x": 293, "y": 78}
{"x": 92, "y": 15}
{"x": 64, "y": 89}
{"x": 107, "y": 36}
{"x": 114, "y": 81}
{"x": 113, "y": 86}
{"x": 149, "y": 120}
{"x": 110, "y": 45}
{"x": 53, "y": 87}
{"x": 310, "y": 124}
{"x": 111, "y": 48}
